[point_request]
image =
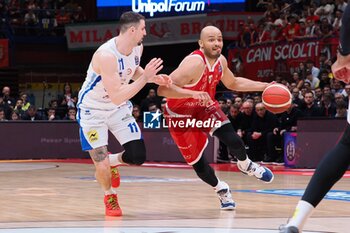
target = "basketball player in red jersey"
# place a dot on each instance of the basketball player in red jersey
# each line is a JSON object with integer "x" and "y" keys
{"x": 192, "y": 111}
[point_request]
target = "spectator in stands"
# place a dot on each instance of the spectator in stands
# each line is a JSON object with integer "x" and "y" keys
{"x": 78, "y": 15}
{"x": 337, "y": 86}
{"x": 152, "y": 107}
{"x": 314, "y": 70}
{"x": 4, "y": 106}
{"x": 263, "y": 123}
{"x": 19, "y": 107}
{"x": 298, "y": 80}
{"x": 326, "y": 28}
{"x": 328, "y": 106}
{"x": 264, "y": 33}
{"x": 309, "y": 108}
{"x": 292, "y": 30}
{"x": 247, "y": 118}
{"x": 71, "y": 114}
{"x": 341, "y": 5}
{"x": 313, "y": 81}
{"x": 337, "y": 21}
{"x": 136, "y": 112}
{"x": 296, "y": 97}
{"x": 6, "y": 91}
{"x": 51, "y": 115}
{"x": 24, "y": 98}
{"x": 223, "y": 105}
{"x": 302, "y": 30}
{"x": 338, "y": 97}
{"x": 15, "y": 116}
{"x": 151, "y": 98}
{"x": 238, "y": 100}
{"x": 341, "y": 107}
{"x": 327, "y": 89}
{"x": 31, "y": 22}
{"x": 325, "y": 80}
{"x": 346, "y": 92}
{"x": 62, "y": 18}
{"x": 323, "y": 62}
{"x": 302, "y": 71}
{"x": 318, "y": 96}
{"x": 32, "y": 114}
{"x": 2, "y": 115}
{"x": 66, "y": 99}
{"x": 325, "y": 10}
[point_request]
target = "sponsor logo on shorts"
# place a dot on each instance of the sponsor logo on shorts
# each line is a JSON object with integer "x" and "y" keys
{"x": 92, "y": 135}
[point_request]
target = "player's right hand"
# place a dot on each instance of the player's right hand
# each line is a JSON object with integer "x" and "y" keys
{"x": 203, "y": 96}
{"x": 152, "y": 68}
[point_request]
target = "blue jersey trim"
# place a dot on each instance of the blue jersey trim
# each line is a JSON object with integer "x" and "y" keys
{"x": 84, "y": 143}
{"x": 92, "y": 85}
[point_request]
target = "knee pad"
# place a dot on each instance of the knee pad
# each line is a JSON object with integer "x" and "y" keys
{"x": 135, "y": 152}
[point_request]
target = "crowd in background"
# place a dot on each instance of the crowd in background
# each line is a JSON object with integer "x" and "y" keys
{"x": 289, "y": 20}
{"x": 40, "y": 17}
{"x": 314, "y": 90}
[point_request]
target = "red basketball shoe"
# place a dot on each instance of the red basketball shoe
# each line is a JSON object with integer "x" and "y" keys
{"x": 112, "y": 206}
{"x": 341, "y": 68}
{"x": 115, "y": 177}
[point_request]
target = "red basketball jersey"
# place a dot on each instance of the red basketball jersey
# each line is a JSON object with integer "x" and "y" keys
{"x": 207, "y": 82}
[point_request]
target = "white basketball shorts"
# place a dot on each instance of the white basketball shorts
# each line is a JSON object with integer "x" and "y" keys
{"x": 94, "y": 126}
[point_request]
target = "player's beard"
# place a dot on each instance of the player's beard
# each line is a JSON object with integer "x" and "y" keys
{"x": 212, "y": 55}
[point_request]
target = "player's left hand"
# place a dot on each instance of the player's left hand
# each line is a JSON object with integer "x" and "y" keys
{"x": 162, "y": 80}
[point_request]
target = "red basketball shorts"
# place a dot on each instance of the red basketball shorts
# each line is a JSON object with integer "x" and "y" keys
{"x": 189, "y": 128}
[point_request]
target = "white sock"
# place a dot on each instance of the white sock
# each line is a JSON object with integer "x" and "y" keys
{"x": 116, "y": 159}
{"x": 301, "y": 214}
{"x": 221, "y": 185}
{"x": 244, "y": 163}
{"x": 110, "y": 191}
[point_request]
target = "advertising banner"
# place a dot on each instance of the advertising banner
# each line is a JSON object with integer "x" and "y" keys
{"x": 260, "y": 62}
{"x": 160, "y": 31}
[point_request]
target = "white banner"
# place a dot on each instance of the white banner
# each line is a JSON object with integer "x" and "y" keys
{"x": 160, "y": 31}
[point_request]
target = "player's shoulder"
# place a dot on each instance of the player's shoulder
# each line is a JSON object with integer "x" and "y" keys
{"x": 193, "y": 60}
{"x": 223, "y": 60}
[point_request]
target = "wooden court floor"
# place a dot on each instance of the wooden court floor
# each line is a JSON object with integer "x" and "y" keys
{"x": 57, "y": 196}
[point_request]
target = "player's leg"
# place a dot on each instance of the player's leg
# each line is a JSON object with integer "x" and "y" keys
{"x": 328, "y": 172}
{"x": 344, "y": 33}
{"x": 341, "y": 68}
{"x": 126, "y": 130}
{"x": 94, "y": 138}
{"x": 191, "y": 143}
{"x": 235, "y": 145}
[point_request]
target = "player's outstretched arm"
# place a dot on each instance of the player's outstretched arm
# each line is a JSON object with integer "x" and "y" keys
{"x": 104, "y": 64}
{"x": 239, "y": 83}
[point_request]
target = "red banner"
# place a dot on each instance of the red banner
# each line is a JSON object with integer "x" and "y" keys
{"x": 262, "y": 62}
{"x": 4, "y": 53}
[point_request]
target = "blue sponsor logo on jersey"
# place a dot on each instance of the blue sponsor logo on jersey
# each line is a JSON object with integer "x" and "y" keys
{"x": 137, "y": 60}
{"x": 151, "y": 120}
{"x": 338, "y": 195}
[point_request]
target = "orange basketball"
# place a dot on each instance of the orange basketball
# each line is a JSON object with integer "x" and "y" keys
{"x": 277, "y": 98}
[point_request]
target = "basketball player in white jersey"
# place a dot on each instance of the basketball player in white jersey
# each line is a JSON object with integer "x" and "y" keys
{"x": 104, "y": 102}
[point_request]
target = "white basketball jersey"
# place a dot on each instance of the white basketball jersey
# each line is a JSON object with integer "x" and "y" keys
{"x": 93, "y": 94}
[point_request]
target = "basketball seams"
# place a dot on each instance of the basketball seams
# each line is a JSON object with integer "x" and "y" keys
{"x": 280, "y": 95}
